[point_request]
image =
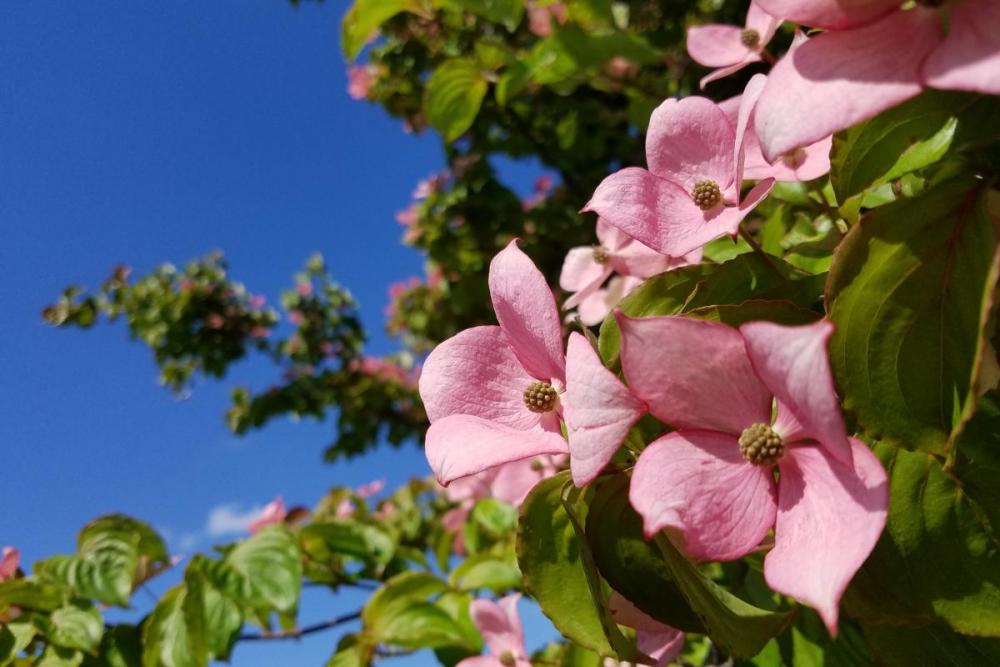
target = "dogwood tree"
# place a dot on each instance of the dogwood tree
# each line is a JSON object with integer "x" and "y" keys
{"x": 722, "y": 390}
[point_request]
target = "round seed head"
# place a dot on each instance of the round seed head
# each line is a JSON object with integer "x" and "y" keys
{"x": 508, "y": 659}
{"x": 540, "y": 397}
{"x": 761, "y": 446}
{"x": 601, "y": 255}
{"x": 706, "y": 194}
{"x": 750, "y": 38}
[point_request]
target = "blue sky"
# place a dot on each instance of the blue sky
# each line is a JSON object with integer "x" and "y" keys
{"x": 144, "y": 132}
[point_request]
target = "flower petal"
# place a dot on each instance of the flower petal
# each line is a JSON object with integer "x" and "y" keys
{"x": 838, "y": 79}
{"x": 600, "y": 410}
{"x": 692, "y": 373}
{"x": 716, "y": 45}
{"x": 764, "y": 23}
{"x": 611, "y": 238}
{"x": 527, "y": 313}
{"x": 476, "y": 373}
{"x": 697, "y": 483}
{"x": 748, "y": 101}
{"x": 723, "y": 72}
{"x": 830, "y": 14}
{"x": 580, "y": 270}
{"x": 794, "y": 364}
{"x": 462, "y": 445}
{"x": 969, "y": 58}
{"x": 514, "y": 480}
{"x": 499, "y": 624}
{"x": 640, "y": 261}
{"x": 829, "y": 518}
{"x": 690, "y": 140}
{"x": 660, "y": 213}
{"x": 9, "y": 563}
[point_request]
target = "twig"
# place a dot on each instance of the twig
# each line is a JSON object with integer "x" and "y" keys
{"x": 760, "y": 251}
{"x": 296, "y": 633}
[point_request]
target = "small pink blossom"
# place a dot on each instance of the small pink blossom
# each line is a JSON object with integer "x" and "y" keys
{"x": 304, "y": 289}
{"x": 586, "y": 268}
{"x": 872, "y": 56}
{"x": 215, "y": 321}
{"x": 370, "y": 489}
{"x": 730, "y": 48}
{"x": 691, "y": 193}
{"x": 360, "y": 79}
{"x": 257, "y": 301}
{"x": 500, "y": 625}
{"x": 543, "y": 184}
{"x": 345, "y": 509}
{"x": 621, "y": 68}
{"x": 659, "y": 641}
{"x": 260, "y": 332}
{"x": 800, "y": 164}
{"x": 274, "y": 512}
{"x": 540, "y": 16}
{"x": 431, "y": 185}
{"x": 10, "y": 559}
{"x": 296, "y": 317}
{"x": 478, "y": 385}
{"x": 712, "y": 480}
{"x": 408, "y": 216}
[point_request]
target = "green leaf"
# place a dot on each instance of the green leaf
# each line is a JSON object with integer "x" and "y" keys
{"x": 490, "y": 521}
{"x": 76, "y": 625}
{"x": 271, "y": 567}
{"x": 174, "y": 633}
{"x": 506, "y": 12}
{"x": 454, "y": 94}
{"x": 744, "y": 277}
{"x": 551, "y": 559}
{"x": 120, "y": 647}
{"x": 485, "y": 571}
{"x": 222, "y": 615}
{"x": 630, "y": 564}
{"x": 909, "y": 291}
{"x": 30, "y": 594}
{"x": 14, "y": 638}
{"x": 906, "y": 138}
{"x": 402, "y": 614}
{"x": 327, "y": 540}
{"x": 57, "y": 656}
{"x": 931, "y": 645}
{"x": 939, "y": 556}
{"x": 109, "y": 550}
{"x": 365, "y": 17}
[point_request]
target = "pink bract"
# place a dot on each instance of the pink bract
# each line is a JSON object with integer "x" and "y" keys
{"x": 500, "y": 626}
{"x": 887, "y": 56}
{"x": 274, "y": 512}
{"x": 724, "y": 46}
{"x": 691, "y": 147}
{"x": 9, "y": 562}
{"x": 709, "y": 483}
{"x": 474, "y": 384}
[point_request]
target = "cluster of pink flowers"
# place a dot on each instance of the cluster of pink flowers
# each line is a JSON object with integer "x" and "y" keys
{"x": 870, "y": 57}
{"x": 498, "y": 396}
{"x": 360, "y": 79}
{"x": 386, "y": 370}
{"x": 541, "y": 14}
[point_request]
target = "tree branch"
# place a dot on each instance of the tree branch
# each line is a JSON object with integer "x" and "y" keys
{"x": 296, "y": 633}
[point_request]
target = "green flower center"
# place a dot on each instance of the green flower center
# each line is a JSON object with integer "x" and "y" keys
{"x": 508, "y": 659}
{"x": 540, "y": 397}
{"x": 601, "y": 255}
{"x": 750, "y": 38}
{"x": 706, "y": 194}
{"x": 761, "y": 446}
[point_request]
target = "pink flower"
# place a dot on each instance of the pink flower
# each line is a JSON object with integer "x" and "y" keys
{"x": 543, "y": 184}
{"x": 9, "y": 562}
{"x": 304, "y": 289}
{"x": 409, "y": 216}
{"x": 274, "y": 512}
{"x": 587, "y": 267}
{"x": 295, "y": 317}
{"x": 500, "y": 626}
{"x": 621, "y": 68}
{"x": 360, "y": 79}
{"x": 370, "y": 489}
{"x": 690, "y": 195}
{"x": 728, "y": 47}
{"x": 260, "y": 332}
{"x": 801, "y": 164}
{"x": 659, "y": 641}
{"x": 257, "y": 301}
{"x": 215, "y": 321}
{"x": 713, "y": 481}
{"x": 540, "y": 17}
{"x": 492, "y": 392}
{"x": 872, "y": 57}
{"x": 345, "y": 509}
{"x": 431, "y": 185}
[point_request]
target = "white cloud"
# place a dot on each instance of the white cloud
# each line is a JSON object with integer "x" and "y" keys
{"x": 228, "y": 519}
